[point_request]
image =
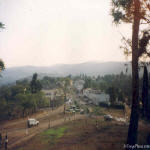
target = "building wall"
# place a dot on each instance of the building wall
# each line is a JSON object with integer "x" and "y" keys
{"x": 96, "y": 98}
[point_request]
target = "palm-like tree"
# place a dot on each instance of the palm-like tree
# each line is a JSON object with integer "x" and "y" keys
{"x": 2, "y": 66}
{"x": 2, "y": 25}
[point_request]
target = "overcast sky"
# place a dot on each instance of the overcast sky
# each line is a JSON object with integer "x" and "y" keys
{"x": 47, "y": 32}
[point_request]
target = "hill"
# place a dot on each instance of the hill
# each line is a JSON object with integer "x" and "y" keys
{"x": 10, "y": 75}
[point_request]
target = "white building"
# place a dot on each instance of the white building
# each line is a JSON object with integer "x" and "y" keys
{"x": 96, "y": 97}
{"x": 79, "y": 84}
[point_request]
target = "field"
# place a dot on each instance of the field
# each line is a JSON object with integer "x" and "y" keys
{"x": 90, "y": 133}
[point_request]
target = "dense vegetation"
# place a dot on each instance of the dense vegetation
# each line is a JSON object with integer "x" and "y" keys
{"x": 26, "y": 97}
{"x": 19, "y": 100}
{"x": 117, "y": 86}
{"x": 49, "y": 82}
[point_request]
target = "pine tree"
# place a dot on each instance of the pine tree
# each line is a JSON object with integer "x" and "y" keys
{"x": 35, "y": 84}
{"x": 2, "y": 66}
{"x": 145, "y": 93}
{"x": 136, "y": 12}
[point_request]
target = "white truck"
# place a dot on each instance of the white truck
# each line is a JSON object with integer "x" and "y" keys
{"x": 32, "y": 122}
{"x": 108, "y": 117}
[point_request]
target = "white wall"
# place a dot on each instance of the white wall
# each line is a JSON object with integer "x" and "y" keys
{"x": 97, "y": 98}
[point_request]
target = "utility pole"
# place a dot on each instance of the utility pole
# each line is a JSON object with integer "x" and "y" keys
{"x": 52, "y": 100}
{"x": 49, "y": 114}
{"x": 49, "y": 124}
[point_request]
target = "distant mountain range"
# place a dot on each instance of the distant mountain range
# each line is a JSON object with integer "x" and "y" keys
{"x": 10, "y": 75}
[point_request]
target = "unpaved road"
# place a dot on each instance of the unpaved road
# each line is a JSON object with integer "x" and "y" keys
{"x": 18, "y": 133}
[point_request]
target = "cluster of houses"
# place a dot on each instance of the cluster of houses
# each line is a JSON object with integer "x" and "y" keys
{"x": 91, "y": 96}
{"x": 53, "y": 93}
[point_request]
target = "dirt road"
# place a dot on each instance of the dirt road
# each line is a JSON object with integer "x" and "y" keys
{"x": 17, "y": 130}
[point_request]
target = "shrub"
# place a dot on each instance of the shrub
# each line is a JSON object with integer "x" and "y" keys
{"x": 104, "y": 104}
{"x": 118, "y": 106}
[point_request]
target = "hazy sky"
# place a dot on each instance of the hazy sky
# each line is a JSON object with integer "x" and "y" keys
{"x": 47, "y": 32}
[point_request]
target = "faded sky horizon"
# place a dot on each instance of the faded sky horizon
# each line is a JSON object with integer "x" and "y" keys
{"x": 48, "y": 32}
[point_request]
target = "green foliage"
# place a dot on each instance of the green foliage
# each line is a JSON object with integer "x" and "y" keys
{"x": 2, "y": 66}
{"x": 2, "y": 26}
{"x": 112, "y": 93}
{"x": 118, "y": 15}
{"x": 52, "y": 135}
{"x": 117, "y": 86}
{"x": 76, "y": 103}
{"x": 87, "y": 110}
{"x": 17, "y": 101}
{"x": 128, "y": 11}
{"x": 97, "y": 111}
{"x": 144, "y": 43}
{"x": 104, "y": 104}
{"x": 88, "y": 82}
{"x": 121, "y": 11}
{"x": 67, "y": 82}
{"x": 35, "y": 84}
{"x": 24, "y": 82}
{"x": 118, "y": 106}
{"x": 55, "y": 132}
{"x": 50, "y": 82}
{"x": 3, "y": 107}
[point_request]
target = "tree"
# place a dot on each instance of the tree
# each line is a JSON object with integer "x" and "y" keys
{"x": 2, "y": 66}
{"x": 65, "y": 84}
{"x": 135, "y": 12}
{"x": 120, "y": 96}
{"x": 35, "y": 84}
{"x": 145, "y": 93}
{"x": 112, "y": 94}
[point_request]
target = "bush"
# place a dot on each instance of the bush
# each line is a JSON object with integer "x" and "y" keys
{"x": 104, "y": 104}
{"x": 118, "y": 106}
{"x": 97, "y": 111}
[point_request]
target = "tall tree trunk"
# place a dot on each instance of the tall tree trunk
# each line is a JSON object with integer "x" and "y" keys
{"x": 133, "y": 127}
{"x": 145, "y": 94}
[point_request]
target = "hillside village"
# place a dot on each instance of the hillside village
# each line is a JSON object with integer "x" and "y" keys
{"x": 75, "y": 75}
{"x": 65, "y": 100}
{"x": 83, "y": 96}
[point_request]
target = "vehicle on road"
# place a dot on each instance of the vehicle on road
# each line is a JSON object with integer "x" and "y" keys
{"x": 108, "y": 117}
{"x": 32, "y": 122}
